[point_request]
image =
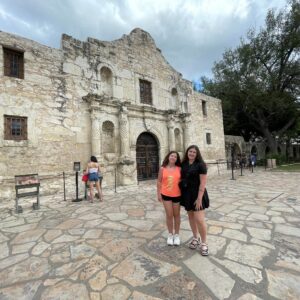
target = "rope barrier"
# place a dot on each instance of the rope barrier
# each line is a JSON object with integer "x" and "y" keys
{"x": 65, "y": 178}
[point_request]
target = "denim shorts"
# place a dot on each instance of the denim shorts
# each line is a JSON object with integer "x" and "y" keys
{"x": 93, "y": 177}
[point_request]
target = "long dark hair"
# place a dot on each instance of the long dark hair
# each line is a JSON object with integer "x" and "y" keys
{"x": 198, "y": 154}
{"x": 94, "y": 159}
{"x": 166, "y": 159}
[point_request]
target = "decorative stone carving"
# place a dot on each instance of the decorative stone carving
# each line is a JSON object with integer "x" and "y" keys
{"x": 96, "y": 138}
{"x": 186, "y": 131}
{"x": 124, "y": 132}
{"x": 171, "y": 133}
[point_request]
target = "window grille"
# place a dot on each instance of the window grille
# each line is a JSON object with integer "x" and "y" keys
{"x": 145, "y": 92}
{"x": 13, "y": 63}
{"x": 208, "y": 138}
{"x": 15, "y": 128}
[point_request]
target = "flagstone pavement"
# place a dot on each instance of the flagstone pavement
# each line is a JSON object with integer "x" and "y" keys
{"x": 117, "y": 249}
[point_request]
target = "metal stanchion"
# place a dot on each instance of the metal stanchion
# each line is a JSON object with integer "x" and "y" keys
{"x": 232, "y": 172}
{"x": 241, "y": 164}
{"x": 232, "y": 162}
{"x": 76, "y": 169}
{"x": 64, "y": 179}
{"x": 115, "y": 180}
{"x": 218, "y": 167}
{"x": 85, "y": 191}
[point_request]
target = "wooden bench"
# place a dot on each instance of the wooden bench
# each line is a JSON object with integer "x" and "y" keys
{"x": 28, "y": 181}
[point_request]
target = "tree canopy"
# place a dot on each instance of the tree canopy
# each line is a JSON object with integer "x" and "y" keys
{"x": 258, "y": 81}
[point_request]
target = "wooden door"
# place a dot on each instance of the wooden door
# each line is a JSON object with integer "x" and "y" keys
{"x": 147, "y": 157}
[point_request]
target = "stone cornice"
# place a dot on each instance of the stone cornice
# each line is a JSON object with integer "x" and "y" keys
{"x": 98, "y": 102}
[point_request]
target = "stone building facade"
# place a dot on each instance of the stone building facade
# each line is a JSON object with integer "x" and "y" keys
{"x": 120, "y": 101}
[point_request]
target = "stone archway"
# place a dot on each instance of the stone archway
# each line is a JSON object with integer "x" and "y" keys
{"x": 147, "y": 158}
{"x": 253, "y": 150}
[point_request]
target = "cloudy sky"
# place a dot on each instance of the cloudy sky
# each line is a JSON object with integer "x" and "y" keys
{"x": 192, "y": 34}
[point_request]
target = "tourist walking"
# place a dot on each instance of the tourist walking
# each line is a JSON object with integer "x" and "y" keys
{"x": 168, "y": 193}
{"x": 93, "y": 171}
{"x": 193, "y": 182}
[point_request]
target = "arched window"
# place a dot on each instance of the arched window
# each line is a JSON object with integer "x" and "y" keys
{"x": 174, "y": 98}
{"x": 178, "y": 144}
{"x": 108, "y": 137}
{"x": 184, "y": 106}
{"x": 106, "y": 81}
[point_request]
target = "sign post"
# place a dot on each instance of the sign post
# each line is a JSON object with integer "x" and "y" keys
{"x": 76, "y": 168}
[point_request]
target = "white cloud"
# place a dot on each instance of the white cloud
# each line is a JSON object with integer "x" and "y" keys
{"x": 191, "y": 33}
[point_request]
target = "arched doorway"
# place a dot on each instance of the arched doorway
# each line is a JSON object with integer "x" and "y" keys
{"x": 147, "y": 159}
{"x": 253, "y": 150}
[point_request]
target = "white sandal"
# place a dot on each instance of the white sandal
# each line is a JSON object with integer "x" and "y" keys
{"x": 204, "y": 249}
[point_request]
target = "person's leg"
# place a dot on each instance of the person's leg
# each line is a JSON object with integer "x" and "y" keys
{"x": 194, "y": 243}
{"x": 176, "y": 214}
{"x": 99, "y": 190}
{"x": 91, "y": 191}
{"x": 169, "y": 215}
{"x": 200, "y": 220}
{"x": 193, "y": 223}
{"x": 100, "y": 184}
{"x": 201, "y": 224}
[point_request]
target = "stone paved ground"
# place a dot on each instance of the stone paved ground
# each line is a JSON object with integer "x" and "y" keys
{"x": 117, "y": 249}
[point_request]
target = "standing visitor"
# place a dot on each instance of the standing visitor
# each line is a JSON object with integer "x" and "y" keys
{"x": 93, "y": 170}
{"x": 193, "y": 182}
{"x": 168, "y": 193}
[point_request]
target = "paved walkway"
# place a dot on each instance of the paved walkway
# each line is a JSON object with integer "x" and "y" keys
{"x": 117, "y": 249}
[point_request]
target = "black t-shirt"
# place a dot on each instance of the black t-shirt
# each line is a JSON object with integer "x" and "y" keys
{"x": 191, "y": 173}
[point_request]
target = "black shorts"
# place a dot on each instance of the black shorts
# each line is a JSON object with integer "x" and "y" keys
{"x": 173, "y": 199}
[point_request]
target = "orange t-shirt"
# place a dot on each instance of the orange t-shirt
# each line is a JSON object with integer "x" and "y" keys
{"x": 170, "y": 180}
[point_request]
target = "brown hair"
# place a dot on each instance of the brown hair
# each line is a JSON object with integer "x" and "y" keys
{"x": 198, "y": 154}
{"x": 166, "y": 159}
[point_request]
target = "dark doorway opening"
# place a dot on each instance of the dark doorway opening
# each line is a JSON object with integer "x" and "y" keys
{"x": 147, "y": 158}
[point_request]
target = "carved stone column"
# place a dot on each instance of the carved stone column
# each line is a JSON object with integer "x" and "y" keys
{"x": 171, "y": 133}
{"x": 186, "y": 132}
{"x": 96, "y": 136}
{"x": 126, "y": 167}
{"x": 124, "y": 132}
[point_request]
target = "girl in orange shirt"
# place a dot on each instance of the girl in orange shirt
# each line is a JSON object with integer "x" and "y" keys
{"x": 169, "y": 194}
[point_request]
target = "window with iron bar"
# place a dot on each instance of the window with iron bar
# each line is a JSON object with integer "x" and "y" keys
{"x": 208, "y": 138}
{"x": 15, "y": 128}
{"x": 13, "y": 63}
{"x": 145, "y": 92}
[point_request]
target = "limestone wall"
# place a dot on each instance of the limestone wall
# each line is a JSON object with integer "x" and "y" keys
{"x": 211, "y": 123}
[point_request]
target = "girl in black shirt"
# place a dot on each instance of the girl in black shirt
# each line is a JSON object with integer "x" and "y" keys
{"x": 193, "y": 182}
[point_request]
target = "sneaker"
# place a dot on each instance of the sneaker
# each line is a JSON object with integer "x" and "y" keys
{"x": 176, "y": 240}
{"x": 170, "y": 241}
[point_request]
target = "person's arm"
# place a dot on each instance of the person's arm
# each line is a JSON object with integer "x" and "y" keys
{"x": 203, "y": 179}
{"x": 159, "y": 180}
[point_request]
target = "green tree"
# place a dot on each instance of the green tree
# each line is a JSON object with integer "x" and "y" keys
{"x": 258, "y": 81}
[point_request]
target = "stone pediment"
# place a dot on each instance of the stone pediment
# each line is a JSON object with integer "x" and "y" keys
{"x": 140, "y": 37}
